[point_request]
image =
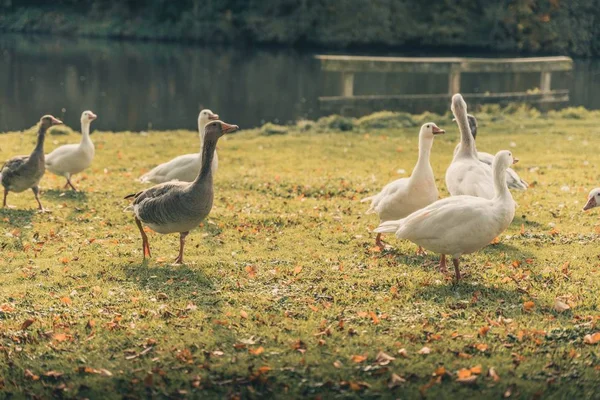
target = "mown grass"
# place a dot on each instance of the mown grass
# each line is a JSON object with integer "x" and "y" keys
{"x": 284, "y": 294}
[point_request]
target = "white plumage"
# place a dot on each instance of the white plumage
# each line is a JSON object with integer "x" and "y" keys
{"x": 71, "y": 159}
{"x": 460, "y": 224}
{"x": 184, "y": 168}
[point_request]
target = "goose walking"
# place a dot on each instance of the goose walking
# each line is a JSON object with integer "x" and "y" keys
{"x": 184, "y": 168}
{"x": 460, "y": 225}
{"x": 404, "y": 196}
{"x": 512, "y": 178}
{"x": 466, "y": 175}
{"x": 180, "y": 206}
{"x": 24, "y": 172}
{"x": 71, "y": 159}
{"x": 593, "y": 199}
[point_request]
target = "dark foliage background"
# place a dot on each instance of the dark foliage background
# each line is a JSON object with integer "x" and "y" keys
{"x": 528, "y": 26}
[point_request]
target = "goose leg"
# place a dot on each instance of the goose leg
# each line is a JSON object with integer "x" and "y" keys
{"x": 145, "y": 243}
{"x": 182, "y": 235}
{"x": 421, "y": 251}
{"x": 70, "y": 184}
{"x": 36, "y": 193}
{"x": 443, "y": 268}
{"x": 455, "y": 261}
{"x": 378, "y": 241}
{"x": 5, "y": 195}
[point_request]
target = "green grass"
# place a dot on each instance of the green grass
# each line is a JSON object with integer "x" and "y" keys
{"x": 284, "y": 294}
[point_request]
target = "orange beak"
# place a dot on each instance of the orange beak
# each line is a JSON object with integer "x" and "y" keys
{"x": 213, "y": 117}
{"x": 226, "y": 128}
{"x": 515, "y": 160}
{"x": 591, "y": 203}
{"x": 437, "y": 131}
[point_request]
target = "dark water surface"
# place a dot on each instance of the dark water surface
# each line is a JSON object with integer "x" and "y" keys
{"x": 137, "y": 85}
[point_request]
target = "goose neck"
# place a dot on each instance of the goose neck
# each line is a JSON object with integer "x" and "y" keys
{"x": 208, "y": 152}
{"x": 467, "y": 142}
{"x": 500, "y": 184}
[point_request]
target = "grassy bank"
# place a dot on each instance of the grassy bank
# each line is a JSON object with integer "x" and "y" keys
{"x": 284, "y": 294}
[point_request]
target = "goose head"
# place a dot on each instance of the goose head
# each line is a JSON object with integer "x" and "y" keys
{"x": 48, "y": 120}
{"x": 504, "y": 159}
{"x": 593, "y": 199}
{"x": 472, "y": 124}
{"x": 215, "y": 129}
{"x": 87, "y": 117}
{"x": 458, "y": 106}
{"x": 204, "y": 118}
{"x": 429, "y": 130}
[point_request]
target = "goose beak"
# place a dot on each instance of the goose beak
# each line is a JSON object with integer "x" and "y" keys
{"x": 591, "y": 203}
{"x": 226, "y": 128}
{"x": 213, "y": 117}
{"x": 515, "y": 160}
{"x": 454, "y": 119}
{"x": 56, "y": 121}
{"x": 437, "y": 131}
{"x": 93, "y": 116}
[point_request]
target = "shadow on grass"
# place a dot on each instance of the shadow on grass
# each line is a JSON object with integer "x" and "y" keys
{"x": 63, "y": 195}
{"x": 513, "y": 252}
{"x": 16, "y": 217}
{"x": 521, "y": 219}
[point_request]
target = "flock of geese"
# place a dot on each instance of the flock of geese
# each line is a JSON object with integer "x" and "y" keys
{"x": 479, "y": 209}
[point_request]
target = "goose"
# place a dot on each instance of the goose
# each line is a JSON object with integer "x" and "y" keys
{"x": 24, "y": 172}
{"x": 172, "y": 207}
{"x": 512, "y": 178}
{"x": 593, "y": 199}
{"x": 183, "y": 168}
{"x": 404, "y": 196}
{"x": 466, "y": 175}
{"x": 71, "y": 159}
{"x": 460, "y": 225}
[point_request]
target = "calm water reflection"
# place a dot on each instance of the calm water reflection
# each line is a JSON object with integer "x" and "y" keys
{"x": 135, "y": 86}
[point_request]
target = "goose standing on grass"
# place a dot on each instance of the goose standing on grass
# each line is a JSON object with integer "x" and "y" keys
{"x": 404, "y": 196}
{"x": 512, "y": 178}
{"x": 180, "y": 206}
{"x": 466, "y": 175}
{"x": 71, "y": 159}
{"x": 460, "y": 225}
{"x": 24, "y": 172}
{"x": 184, "y": 168}
{"x": 593, "y": 199}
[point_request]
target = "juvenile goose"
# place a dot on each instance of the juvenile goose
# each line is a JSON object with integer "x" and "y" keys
{"x": 512, "y": 178}
{"x": 466, "y": 175}
{"x": 593, "y": 199}
{"x": 460, "y": 225}
{"x": 71, "y": 159}
{"x": 184, "y": 168}
{"x": 404, "y": 196}
{"x": 180, "y": 206}
{"x": 24, "y": 172}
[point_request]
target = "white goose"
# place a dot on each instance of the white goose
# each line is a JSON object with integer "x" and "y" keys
{"x": 184, "y": 168}
{"x": 512, "y": 178}
{"x": 466, "y": 175}
{"x": 404, "y": 196}
{"x": 71, "y": 159}
{"x": 460, "y": 225}
{"x": 593, "y": 199}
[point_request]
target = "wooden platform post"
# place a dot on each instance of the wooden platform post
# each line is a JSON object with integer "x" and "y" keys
{"x": 454, "y": 80}
{"x": 347, "y": 84}
{"x": 545, "y": 83}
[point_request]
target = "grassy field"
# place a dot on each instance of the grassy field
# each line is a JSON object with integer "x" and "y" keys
{"x": 284, "y": 294}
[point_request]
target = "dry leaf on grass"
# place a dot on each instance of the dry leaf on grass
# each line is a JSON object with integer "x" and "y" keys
{"x": 395, "y": 380}
{"x": 27, "y": 323}
{"x": 403, "y": 353}
{"x": 528, "y": 305}
{"x": 425, "y": 350}
{"x": 492, "y": 374}
{"x": 384, "y": 359}
{"x": 592, "y": 339}
{"x": 358, "y": 358}
{"x": 560, "y": 306}
{"x": 257, "y": 351}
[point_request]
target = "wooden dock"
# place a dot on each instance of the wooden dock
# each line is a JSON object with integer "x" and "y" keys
{"x": 348, "y": 66}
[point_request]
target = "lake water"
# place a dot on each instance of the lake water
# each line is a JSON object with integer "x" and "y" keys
{"x": 138, "y": 86}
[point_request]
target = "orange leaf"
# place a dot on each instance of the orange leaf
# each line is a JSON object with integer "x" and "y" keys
{"x": 464, "y": 355}
{"x": 27, "y": 323}
{"x": 484, "y": 330}
{"x": 297, "y": 270}
{"x": 495, "y": 241}
{"x": 244, "y": 314}
{"x": 481, "y": 346}
{"x": 59, "y": 337}
{"x": 358, "y": 359}
{"x": 528, "y": 305}
{"x": 257, "y": 351}
{"x": 374, "y": 317}
{"x": 592, "y": 339}
{"x": 476, "y": 369}
{"x": 464, "y": 373}
{"x": 251, "y": 270}
{"x": 66, "y": 300}
{"x": 492, "y": 373}
{"x": 264, "y": 369}
{"x": 522, "y": 229}
{"x": 440, "y": 371}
